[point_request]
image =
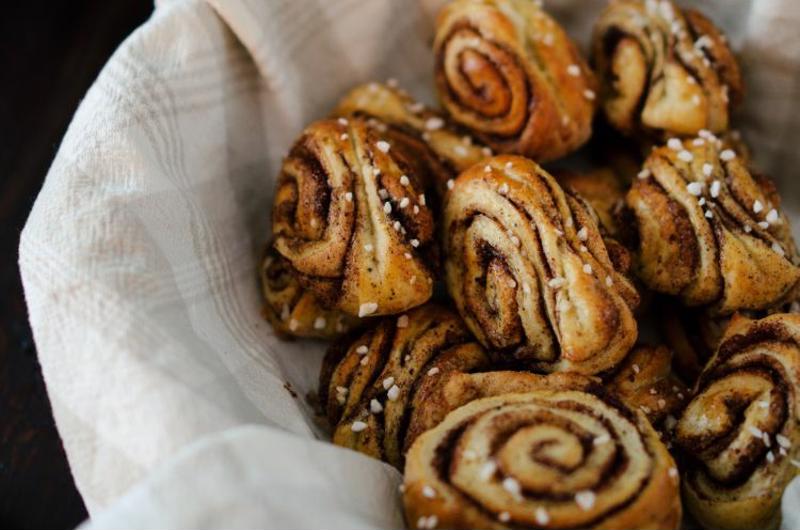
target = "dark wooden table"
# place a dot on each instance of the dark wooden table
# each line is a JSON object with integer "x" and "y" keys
{"x": 50, "y": 52}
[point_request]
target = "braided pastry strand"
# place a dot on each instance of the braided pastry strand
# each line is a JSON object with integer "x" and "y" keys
{"x": 440, "y": 149}
{"x": 545, "y": 458}
{"x": 371, "y": 386}
{"x": 509, "y": 72}
{"x": 664, "y": 70}
{"x": 740, "y": 432}
{"x": 530, "y": 273}
{"x": 293, "y": 311}
{"x": 352, "y": 220}
{"x": 710, "y": 232}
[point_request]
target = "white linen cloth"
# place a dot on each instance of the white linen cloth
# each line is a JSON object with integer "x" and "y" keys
{"x": 139, "y": 257}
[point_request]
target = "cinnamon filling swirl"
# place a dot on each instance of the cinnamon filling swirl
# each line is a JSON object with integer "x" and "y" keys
{"x": 530, "y": 272}
{"x": 546, "y": 458}
{"x": 739, "y": 432}
{"x": 664, "y": 70}
{"x": 353, "y": 221}
{"x": 709, "y": 231}
{"x": 507, "y": 71}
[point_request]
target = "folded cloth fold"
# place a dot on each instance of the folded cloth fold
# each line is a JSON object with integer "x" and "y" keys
{"x": 242, "y": 484}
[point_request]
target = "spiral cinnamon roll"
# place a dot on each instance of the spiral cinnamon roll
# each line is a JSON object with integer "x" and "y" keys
{"x": 542, "y": 459}
{"x": 351, "y": 218}
{"x": 292, "y": 310}
{"x": 509, "y": 72}
{"x": 530, "y": 273}
{"x": 645, "y": 381}
{"x": 710, "y": 232}
{"x": 663, "y": 70}
{"x": 372, "y": 385}
{"x": 439, "y": 149}
{"x": 740, "y": 431}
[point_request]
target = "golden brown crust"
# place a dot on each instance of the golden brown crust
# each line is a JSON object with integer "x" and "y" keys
{"x": 644, "y": 381}
{"x": 663, "y": 70}
{"x": 440, "y": 150}
{"x": 740, "y": 431}
{"x": 351, "y": 217}
{"x": 546, "y": 458}
{"x": 603, "y": 190}
{"x": 458, "y": 388}
{"x": 370, "y": 387}
{"x": 709, "y": 232}
{"x": 508, "y": 71}
{"x": 529, "y": 271}
{"x": 292, "y": 310}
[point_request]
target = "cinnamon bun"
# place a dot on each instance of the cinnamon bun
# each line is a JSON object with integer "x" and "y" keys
{"x": 711, "y": 232}
{"x": 510, "y": 73}
{"x": 371, "y": 386}
{"x": 351, "y": 218}
{"x": 292, "y": 310}
{"x": 740, "y": 431}
{"x": 664, "y": 70}
{"x": 530, "y": 273}
{"x": 548, "y": 458}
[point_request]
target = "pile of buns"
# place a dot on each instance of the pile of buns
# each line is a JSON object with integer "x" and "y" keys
{"x": 485, "y": 312}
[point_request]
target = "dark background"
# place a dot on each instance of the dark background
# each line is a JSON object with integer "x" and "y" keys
{"x": 50, "y": 52}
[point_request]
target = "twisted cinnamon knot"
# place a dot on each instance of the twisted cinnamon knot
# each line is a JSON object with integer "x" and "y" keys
{"x": 530, "y": 273}
{"x": 663, "y": 70}
{"x": 351, "y": 217}
{"x": 740, "y": 431}
{"x": 710, "y": 232}
{"x": 546, "y": 458}
{"x": 440, "y": 149}
{"x": 509, "y": 72}
{"x": 372, "y": 386}
{"x": 292, "y": 310}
